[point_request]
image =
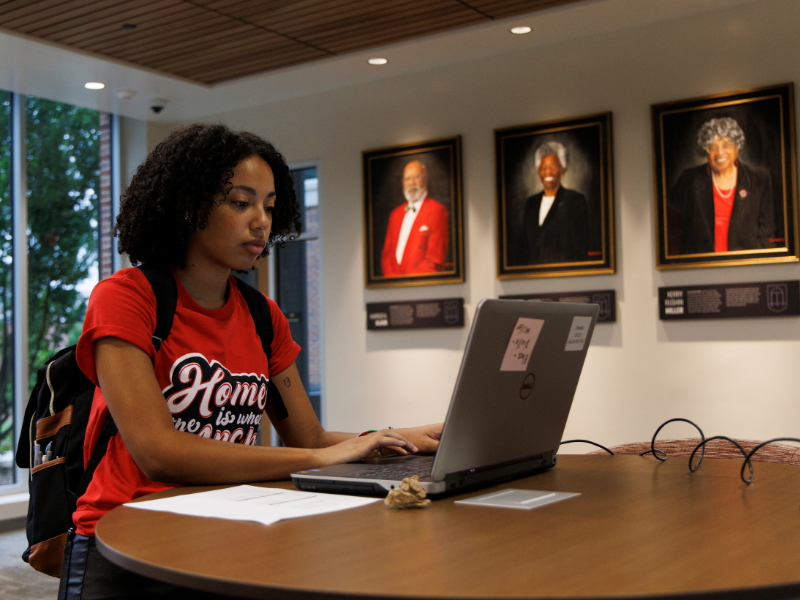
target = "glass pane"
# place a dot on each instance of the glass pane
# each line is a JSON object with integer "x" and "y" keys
{"x": 299, "y": 282}
{"x": 63, "y": 164}
{"x": 7, "y": 471}
{"x": 307, "y": 189}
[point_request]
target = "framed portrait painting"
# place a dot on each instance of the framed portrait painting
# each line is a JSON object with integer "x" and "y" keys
{"x": 555, "y": 207}
{"x": 413, "y": 233}
{"x": 725, "y": 180}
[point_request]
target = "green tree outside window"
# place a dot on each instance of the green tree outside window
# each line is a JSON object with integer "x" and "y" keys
{"x": 63, "y": 183}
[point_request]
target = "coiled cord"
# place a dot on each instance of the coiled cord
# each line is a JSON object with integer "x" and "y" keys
{"x": 662, "y": 455}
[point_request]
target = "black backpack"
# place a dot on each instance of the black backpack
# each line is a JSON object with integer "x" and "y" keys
{"x": 57, "y": 415}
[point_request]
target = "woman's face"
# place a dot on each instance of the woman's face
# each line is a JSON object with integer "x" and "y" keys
{"x": 722, "y": 154}
{"x": 239, "y": 223}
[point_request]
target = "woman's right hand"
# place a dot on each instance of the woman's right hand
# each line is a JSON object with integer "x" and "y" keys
{"x": 361, "y": 447}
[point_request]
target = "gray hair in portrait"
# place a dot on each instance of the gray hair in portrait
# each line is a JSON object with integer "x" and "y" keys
{"x": 724, "y": 127}
{"x": 569, "y": 153}
{"x": 548, "y": 148}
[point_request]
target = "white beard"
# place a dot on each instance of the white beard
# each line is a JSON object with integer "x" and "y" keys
{"x": 414, "y": 193}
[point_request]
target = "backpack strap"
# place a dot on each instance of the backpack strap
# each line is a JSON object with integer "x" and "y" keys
{"x": 259, "y": 310}
{"x": 166, "y": 291}
{"x": 262, "y": 318}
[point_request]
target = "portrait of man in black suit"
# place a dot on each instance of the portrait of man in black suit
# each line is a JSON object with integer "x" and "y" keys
{"x": 556, "y": 225}
{"x": 725, "y": 192}
{"x": 554, "y": 198}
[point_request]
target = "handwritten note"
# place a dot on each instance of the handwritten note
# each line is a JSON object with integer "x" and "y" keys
{"x": 578, "y": 333}
{"x": 520, "y": 346}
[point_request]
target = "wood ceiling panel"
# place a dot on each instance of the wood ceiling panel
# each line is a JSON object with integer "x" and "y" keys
{"x": 228, "y": 61}
{"x": 211, "y": 41}
{"x": 81, "y": 31}
{"x": 18, "y": 9}
{"x": 28, "y": 17}
{"x": 12, "y": 5}
{"x": 259, "y": 65}
{"x": 417, "y": 21}
{"x": 372, "y": 39}
{"x": 94, "y": 30}
{"x": 223, "y": 62}
{"x": 215, "y": 73}
{"x": 216, "y": 66}
{"x": 357, "y": 13}
{"x": 259, "y": 42}
{"x": 83, "y": 11}
{"x": 239, "y": 7}
{"x": 316, "y": 10}
{"x": 173, "y": 27}
{"x": 166, "y": 43}
{"x": 500, "y": 9}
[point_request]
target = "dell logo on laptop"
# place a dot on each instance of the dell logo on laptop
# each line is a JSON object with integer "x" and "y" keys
{"x": 527, "y": 386}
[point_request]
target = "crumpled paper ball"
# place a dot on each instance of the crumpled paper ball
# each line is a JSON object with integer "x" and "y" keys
{"x": 409, "y": 495}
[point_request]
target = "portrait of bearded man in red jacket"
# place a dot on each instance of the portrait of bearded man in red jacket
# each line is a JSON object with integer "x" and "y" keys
{"x": 418, "y": 234}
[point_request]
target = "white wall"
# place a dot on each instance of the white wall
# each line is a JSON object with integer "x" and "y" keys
{"x": 733, "y": 377}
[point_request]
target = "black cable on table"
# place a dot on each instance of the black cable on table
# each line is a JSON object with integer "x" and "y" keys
{"x": 663, "y": 454}
{"x": 587, "y": 442}
{"x": 748, "y": 456}
{"x": 701, "y": 446}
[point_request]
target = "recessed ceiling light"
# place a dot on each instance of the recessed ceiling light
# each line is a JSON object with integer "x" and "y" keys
{"x": 377, "y": 61}
{"x": 520, "y": 30}
{"x": 94, "y": 85}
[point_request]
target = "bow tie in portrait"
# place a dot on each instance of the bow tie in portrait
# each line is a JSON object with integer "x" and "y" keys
{"x": 411, "y": 207}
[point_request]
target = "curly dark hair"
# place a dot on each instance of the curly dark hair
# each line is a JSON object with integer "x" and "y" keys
{"x": 172, "y": 192}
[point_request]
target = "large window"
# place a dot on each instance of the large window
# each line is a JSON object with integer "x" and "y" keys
{"x": 58, "y": 192}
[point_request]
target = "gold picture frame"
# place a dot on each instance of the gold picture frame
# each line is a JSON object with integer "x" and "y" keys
{"x": 725, "y": 179}
{"x": 413, "y": 214}
{"x": 570, "y": 230}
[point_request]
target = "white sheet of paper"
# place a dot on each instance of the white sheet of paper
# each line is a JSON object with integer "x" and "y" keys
{"x": 576, "y": 339}
{"x": 520, "y": 346}
{"x": 250, "y": 503}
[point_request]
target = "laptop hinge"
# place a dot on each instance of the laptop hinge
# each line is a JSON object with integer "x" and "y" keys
{"x": 498, "y": 472}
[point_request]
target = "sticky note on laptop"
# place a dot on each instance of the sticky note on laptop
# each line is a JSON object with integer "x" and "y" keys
{"x": 520, "y": 346}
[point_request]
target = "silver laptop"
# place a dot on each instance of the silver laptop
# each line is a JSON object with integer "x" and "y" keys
{"x": 509, "y": 406}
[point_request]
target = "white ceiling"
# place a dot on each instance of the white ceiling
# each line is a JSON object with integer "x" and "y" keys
{"x": 50, "y": 71}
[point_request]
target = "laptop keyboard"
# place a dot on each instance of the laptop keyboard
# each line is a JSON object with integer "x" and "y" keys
{"x": 421, "y": 467}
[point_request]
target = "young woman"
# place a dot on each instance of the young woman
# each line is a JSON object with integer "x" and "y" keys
{"x": 205, "y": 202}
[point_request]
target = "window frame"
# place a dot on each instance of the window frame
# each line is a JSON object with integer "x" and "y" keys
{"x": 19, "y": 280}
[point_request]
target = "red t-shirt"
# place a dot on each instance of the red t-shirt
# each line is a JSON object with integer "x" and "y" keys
{"x": 212, "y": 370}
{"x": 723, "y": 206}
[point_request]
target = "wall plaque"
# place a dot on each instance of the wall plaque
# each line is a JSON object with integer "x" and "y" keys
{"x": 607, "y": 299}
{"x": 730, "y": 300}
{"x": 416, "y": 314}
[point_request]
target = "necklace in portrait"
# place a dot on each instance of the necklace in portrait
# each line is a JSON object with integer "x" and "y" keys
{"x": 732, "y": 188}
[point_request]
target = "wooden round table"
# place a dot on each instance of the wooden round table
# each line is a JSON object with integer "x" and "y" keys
{"x": 639, "y": 529}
